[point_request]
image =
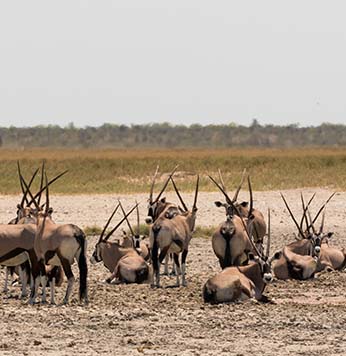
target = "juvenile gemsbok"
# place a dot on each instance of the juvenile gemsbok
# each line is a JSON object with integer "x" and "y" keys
{"x": 173, "y": 235}
{"x": 57, "y": 245}
{"x": 242, "y": 282}
{"x": 124, "y": 263}
{"x": 230, "y": 241}
{"x": 135, "y": 239}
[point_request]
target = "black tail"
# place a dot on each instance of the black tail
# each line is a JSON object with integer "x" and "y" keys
{"x": 155, "y": 249}
{"x": 83, "y": 268}
{"x": 227, "y": 262}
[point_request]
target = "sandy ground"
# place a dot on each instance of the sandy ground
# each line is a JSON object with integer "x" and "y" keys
{"x": 308, "y": 318}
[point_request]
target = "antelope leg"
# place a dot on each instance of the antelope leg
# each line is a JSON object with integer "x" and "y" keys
{"x": 183, "y": 266}
{"x": 178, "y": 271}
{"x": 52, "y": 291}
{"x": 7, "y": 272}
{"x": 69, "y": 275}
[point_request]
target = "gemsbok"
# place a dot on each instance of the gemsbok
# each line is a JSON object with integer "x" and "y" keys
{"x": 243, "y": 282}
{"x": 173, "y": 235}
{"x": 299, "y": 259}
{"x": 124, "y": 263}
{"x": 232, "y": 207}
{"x": 135, "y": 239}
{"x": 230, "y": 241}
{"x": 58, "y": 245}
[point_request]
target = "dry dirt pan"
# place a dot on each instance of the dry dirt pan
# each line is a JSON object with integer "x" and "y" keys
{"x": 307, "y": 318}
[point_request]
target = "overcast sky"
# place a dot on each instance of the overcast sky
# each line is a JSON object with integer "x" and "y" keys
{"x": 144, "y": 61}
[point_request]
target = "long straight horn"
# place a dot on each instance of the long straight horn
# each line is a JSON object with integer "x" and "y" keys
{"x": 194, "y": 207}
{"x": 239, "y": 187}
{"x": 138, "y": 223}
{"x": 251, "y": 196}
{"x": 153, "y": 184}
{"x": 24, "y": 198}
{"x": 109, "y": 220}
{"x": 178, "y": 194}
{"x": 221, "y": 181}
{"x": 123, "y": 219}
{"x": 127, "y": 220}
{"x": 304, "y": 217}
{"x": 269, "y": 232}
{"x": 292, "y": 216}
{"x": 322, "y": 207}
{"x": 29, "y": 192}
{"x": 323, "y": 218}
{"x": 20, "y": 180}
{"x": 41, "y": 183}
{"x": 49, "y": 183}
{"x": 228, "y": 199}
{"x": 47, "y": 193}
{"x": 305, "y": 208}
{"x": 311, "y": 223}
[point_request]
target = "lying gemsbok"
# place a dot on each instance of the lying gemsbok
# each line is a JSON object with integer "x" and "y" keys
{"x": 230, "y": 241}
{"x": 330, "y": 258}
{"x": 173, "y": 235}
{"x": 243, "y": 282}
{"x": 299, "y": 259}
{"x": 124, "y": 263}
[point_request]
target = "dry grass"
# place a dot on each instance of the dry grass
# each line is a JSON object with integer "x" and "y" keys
{"x": 130, "y": 171}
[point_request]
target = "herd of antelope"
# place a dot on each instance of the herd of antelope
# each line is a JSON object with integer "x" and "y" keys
{"x": 40, "y": 251}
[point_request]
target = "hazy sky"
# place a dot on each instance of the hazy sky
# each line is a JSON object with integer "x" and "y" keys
{"x": 185, "y": 61}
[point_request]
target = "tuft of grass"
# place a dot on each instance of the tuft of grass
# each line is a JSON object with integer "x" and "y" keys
{"x": 204, "y": 232}
{"x": 130, "y": 171}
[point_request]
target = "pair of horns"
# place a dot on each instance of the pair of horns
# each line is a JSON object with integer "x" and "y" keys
{"x": 42, "y": 188}
{"x": 306, "y": 213}
{"x": 151, "y": 200}
{"x": 235, "y": 197}
{"x": 231, "y": 201}
{"x": 117, "y": 226}
{"x": 194, "y": 206}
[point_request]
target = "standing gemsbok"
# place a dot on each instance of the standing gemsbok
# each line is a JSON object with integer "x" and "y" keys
{"x": 57, "y": 245}
{"x": 242, "y": 282}
{"x": 233, "y": 207}
{"x": 230, "y": 241}
{"x": 173, "y": 235}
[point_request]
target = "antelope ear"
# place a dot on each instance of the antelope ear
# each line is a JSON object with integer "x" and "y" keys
{"x": 124, "y": 233}
{"x": 277, "y": 255}
{"x": 50, "y": 211}
{"x": 163, "y": 200}
{"x": 218, "y": 204}
{"x": 18, "y": 206}
{"x": 244, "y": 204}
{"x": 252, "y": 257}
{"x": 330, "y": 234}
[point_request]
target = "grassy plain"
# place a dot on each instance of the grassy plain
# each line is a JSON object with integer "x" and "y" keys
{"x": 130, "y": 171}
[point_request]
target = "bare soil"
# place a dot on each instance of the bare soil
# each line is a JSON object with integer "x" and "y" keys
{"x": 306, "y": 318}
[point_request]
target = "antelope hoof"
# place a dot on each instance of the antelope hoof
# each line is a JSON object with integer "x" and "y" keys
{"x": 23, "y": 296}
{"x": 184, "y": 284}
{"x": 65, "y": 302}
